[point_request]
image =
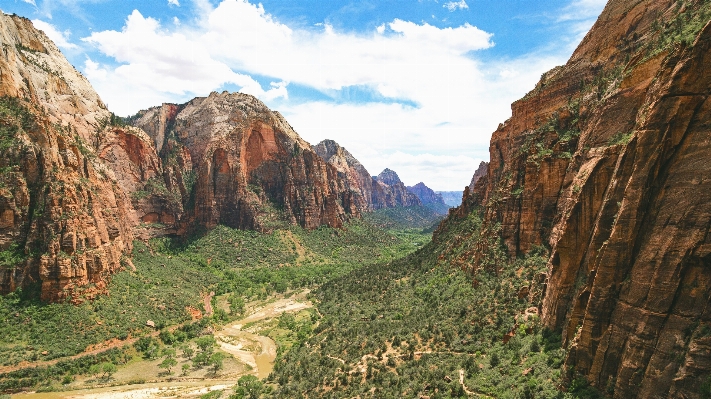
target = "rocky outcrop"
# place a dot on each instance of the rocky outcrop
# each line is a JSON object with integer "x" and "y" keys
{"x": 429, "y": 198}
{"x": 389, "y": 192}
{"x": 604, "y": 163}
{"x": 480, "y": 172}
{"x": 63, "y": 222}
{"x": 233, "y": 161}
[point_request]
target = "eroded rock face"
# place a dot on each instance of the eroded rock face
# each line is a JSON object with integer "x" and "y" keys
{"x": 78, "y": 185}
{"x": 480, "y": 172}
{"x": 246, "y": 162}
{"x": 65, "y": 222}
{"x": 605, "y": 163}
{"x": 370, "y": 192}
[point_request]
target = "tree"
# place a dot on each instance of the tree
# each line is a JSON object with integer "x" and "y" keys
{"x": 168, "y": 363}
{"x": 185, "y": 368}
{"x": 109, "y": 369}
{"x": 216, "y": 361}
{"x": 94, "y": 370}
{"x": 206, "y": 343}
{"x": 248, "y": 387}
{"x": 236, "y": 304}
{"x": 188, "y": 352}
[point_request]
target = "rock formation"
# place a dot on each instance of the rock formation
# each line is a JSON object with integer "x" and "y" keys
{"x": 429, "y": 198}
{"x": 353, "y": 173}
{"x": 235, "y": 162}
{"x": 63, "y": 222}
{"x": 481, "y": 171}
{"x": 78, "y": 185}
{"x": 605, "y": 162}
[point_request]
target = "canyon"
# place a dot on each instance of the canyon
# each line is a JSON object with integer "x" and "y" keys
{"x": 603, "y": 167}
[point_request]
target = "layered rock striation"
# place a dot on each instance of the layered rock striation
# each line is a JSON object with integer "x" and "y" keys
{"x": 604, "y": 162}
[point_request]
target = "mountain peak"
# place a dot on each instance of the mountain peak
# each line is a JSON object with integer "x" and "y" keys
{"x": 389, "y": 177}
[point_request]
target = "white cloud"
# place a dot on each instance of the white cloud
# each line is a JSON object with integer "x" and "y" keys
{"x": 455, "y": 5}
{"x": 157, "y": 64}
{"x": 579, "y": 10}
{"x": 459, "y": 101}
{"x": 59, "y": 38}
{"x": 174, "y": 3}
{"x": 30, "y": 2}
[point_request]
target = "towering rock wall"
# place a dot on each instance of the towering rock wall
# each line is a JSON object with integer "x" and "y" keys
{"x": 605, "y": 162}
{"x": 63, "y": 222}
{"x": 78, "y": 185}
{"x": 353, "y": 173}
{"x": 389, "y": 191}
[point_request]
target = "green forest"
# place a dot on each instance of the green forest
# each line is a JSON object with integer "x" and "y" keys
{"x": 396, "y": 315}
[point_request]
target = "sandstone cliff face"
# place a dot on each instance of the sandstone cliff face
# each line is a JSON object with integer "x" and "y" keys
{"x": 63, "y": 222}
{"x": 605, "y": 162}
{"x": 429, "y": 198}
{"x": 480, "y": 172}
{"x": 78, "y": 184}
{"x": 233, "y": 161}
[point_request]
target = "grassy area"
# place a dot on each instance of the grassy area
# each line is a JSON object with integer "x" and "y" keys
{"x": 410, "y": 217}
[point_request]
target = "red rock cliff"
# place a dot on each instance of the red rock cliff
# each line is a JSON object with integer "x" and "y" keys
{"x": 63, "y": 222}
{"x": 606, "y": 163}
{"x": 248, "y": 168}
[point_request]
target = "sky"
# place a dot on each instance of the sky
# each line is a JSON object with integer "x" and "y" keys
{"x": 417, "y": 86}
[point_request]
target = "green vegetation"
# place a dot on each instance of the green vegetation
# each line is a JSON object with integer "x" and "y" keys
{"x": 12, "y": 256}
{"x": 254, "y": 265}
{"x": 620, "y": 138}
{"x": 411, "y": 217}
{"x": 49, "y": 378}
{"x": 15, "y": 118}
{"x": 411, "y": 327}
{"x": 683, "y": 29}
{"x": 172, "y": 276}
{"x": 159, "y": 290}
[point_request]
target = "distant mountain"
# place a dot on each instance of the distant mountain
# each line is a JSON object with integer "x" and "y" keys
{"x": 370, "y": 192}
{"x": 451, "y": 198}
{"x": 429, "y": 198}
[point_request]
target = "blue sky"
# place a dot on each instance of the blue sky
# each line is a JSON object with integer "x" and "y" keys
{"x": 414, "y": 85}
